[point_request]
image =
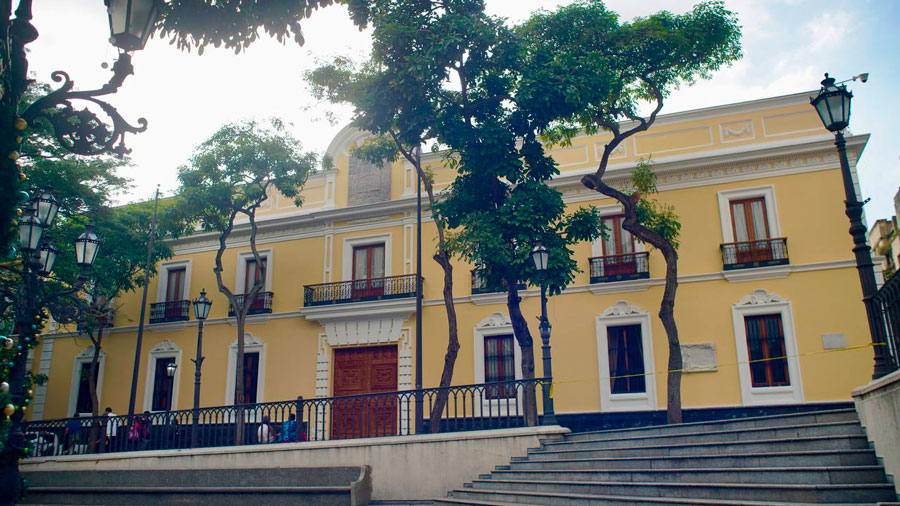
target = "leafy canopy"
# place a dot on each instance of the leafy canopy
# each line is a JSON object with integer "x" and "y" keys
{"x": 234, "y": 170}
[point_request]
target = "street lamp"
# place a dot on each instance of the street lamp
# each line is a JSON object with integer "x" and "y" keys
{"x": 29, "y": 300}
{"x": 171, "y": 367}
{"x": 832, "y": 104}
{"x": 131, "y": 22}
{"x": 541, "y": 256}
{"x": 201, "y": 312}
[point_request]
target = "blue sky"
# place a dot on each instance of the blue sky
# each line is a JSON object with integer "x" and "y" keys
{"x": 788, "y": 45}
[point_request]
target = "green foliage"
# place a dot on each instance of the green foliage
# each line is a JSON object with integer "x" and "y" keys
{"x": 235, "y": 169}
{"x": 656, "y": 216}
{"x": 233, "y": 24}
{"x": 585, "y": 70}
{"x": 376, "y": 150}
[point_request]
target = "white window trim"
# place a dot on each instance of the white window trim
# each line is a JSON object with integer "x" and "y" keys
{"x": 351, "y": 242}
{"x": 164, "y": 349}
{"x": 494, "y": 325}
{"x": 760, "y": 303}
{"x": 164, "y": 279}
{"x": 624, "y": 314}
{"x": 251, "y": 344}
{"x": 766, "y": 192}
{"x": 597, "y": 244}
{"x": 85, "y": 357}
{"x": 240, "y": 275}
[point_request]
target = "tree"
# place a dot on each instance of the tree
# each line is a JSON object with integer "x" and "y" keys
{"x": 230, "y": 175}
{"x": 401, "y": 126}
{"x": 447, "y": 72}
{"x": 590, "y": 78}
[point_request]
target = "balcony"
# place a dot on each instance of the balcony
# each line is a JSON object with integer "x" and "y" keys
{"x": 170, "y": 311}
{"x": 620, "y": 267}
{"x": 261, "y": 304}
{"x": 360, "y": 290}
{"x": 751, "y": 254}
{"x": 480, "y": 284}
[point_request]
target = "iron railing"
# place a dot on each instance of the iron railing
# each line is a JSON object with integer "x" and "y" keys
{"x": 359, "y": 290}
{"x": 170, "y": 311}
{"x": 469, "y": 407}
{"x": 261, "y": 304}
{"x": 480, "y": 284}
{"x": 620, "y": 267}
{"x": 759, "y": 253}
{"x": 886, "y": 303}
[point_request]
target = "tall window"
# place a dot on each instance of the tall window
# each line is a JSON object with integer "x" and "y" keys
{"x": 162, "y": 385}
{"x": 368, "y": 261}
{"x": 251, "y": 377}
{"x": 499, "y": 365}
{"x": 749, "y": 220}
{"x": 253, "y": 272}
{"x": 83, "y": 403}
{"x": 618, "y": 241}
{"x": 768, "y": 358}
{"x": 368, "y": 271}
{"x": 175, "y": 284}
{"x": 626, "y": 359}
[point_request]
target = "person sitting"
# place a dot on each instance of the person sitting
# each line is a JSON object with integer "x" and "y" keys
{"x": 265, "y": 433}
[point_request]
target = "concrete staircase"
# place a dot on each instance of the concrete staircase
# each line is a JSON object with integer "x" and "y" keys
{"x": 314, "y": 486}
{"x": 813, "y": 457}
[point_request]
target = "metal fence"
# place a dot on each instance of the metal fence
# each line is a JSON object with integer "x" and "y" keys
{"x": 170, "y": 311}
{"x": 359, "y": 290}
{"x": 758, "y": 253}
{"x": 620, "y": 267}
{"x": 261, "y": 304}
{"x": 887, "y": 305}
{"x": 467, "y": 407}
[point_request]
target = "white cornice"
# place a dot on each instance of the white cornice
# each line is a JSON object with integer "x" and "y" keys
{"x": 355, "y": 310}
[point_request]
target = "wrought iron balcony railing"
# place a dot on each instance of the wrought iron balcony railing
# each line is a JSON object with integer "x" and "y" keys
{"x": 887, "y": 312}
{"x": 481, "y": 285}
{"x": 620, "y": 267}
{"x": 170, "y": 311}
{"x": 261, "y": 304}
{"x": 359, "y": 290}
{"x": 750, "y": 254}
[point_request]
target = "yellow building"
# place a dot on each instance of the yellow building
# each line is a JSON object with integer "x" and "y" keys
{"x": 765, "y": 259}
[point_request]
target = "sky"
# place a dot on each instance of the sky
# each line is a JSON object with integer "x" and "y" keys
{"x": 185, "y": 97}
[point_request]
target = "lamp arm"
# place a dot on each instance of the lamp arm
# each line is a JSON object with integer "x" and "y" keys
{"x": 82, "y": 279}
{"x": 81, "y": 131}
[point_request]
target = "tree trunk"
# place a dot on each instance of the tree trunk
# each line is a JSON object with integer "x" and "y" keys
{"x": 526, "y": 344}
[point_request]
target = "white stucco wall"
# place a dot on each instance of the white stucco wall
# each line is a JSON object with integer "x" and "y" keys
{"x": 878, "y": 405}
{"x": 403, "y": 467}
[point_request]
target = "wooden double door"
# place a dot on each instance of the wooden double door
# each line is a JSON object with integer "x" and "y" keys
{"x": 359, "y": 371}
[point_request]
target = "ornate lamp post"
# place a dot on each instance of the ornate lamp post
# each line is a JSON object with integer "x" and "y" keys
{"x": 201, "y": 312}
{"x": 29, "y": 300}
{"x": 541, "y": 256}
{"x": 833, "y": 107}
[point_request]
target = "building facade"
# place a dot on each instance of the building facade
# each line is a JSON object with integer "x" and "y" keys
{"x": 768, "y": 305}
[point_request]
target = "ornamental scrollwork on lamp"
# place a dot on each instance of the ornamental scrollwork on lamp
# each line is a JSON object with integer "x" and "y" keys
{"x": 81, "y": 131}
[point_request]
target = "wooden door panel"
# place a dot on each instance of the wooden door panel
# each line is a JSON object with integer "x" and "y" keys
{"x": 363, "y": 371}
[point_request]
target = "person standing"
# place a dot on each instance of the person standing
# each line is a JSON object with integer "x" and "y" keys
{"x": 112, "y": 429}
{"x": 73, "y": 434}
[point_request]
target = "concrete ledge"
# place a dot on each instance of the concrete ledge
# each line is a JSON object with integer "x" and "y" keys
{"x": 878, "y": 405}
{"x": 435, "y": 463}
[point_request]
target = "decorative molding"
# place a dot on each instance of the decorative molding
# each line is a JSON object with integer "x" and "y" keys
{"x": 634, "y": 285}
{"x": 252, "y": 344}
{"x": 162, "y": 349}
{"x": 622, "y": 308}
{"x": 165, "y": 345}
{"x": 491, "y": 298}
{"x": 166, "y": 326}
{"x": 757, "y": 273}
{"x": 759, "y": 297}
{"x": 495, "y": 320}
{"x": 393, "y": 308}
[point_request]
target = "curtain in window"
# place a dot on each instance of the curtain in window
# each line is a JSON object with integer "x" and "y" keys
{"x": 175, "y": 285}
{"x": 758, "y": 215}
{"x": 626, "y": 359}
{"x": 767, "y": 351}
{"x": 253, "y": 273}
{"x": 739, "y": 218}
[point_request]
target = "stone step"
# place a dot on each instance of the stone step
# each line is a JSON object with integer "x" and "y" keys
{"x": 851, "y": 428}
{"x": 861, "y": 457}
{"x": 489, "y": 498}
{"x": 295, "y": 476}
{"x": 787, "y": 493}
{"x": 189, "y": 496}
{"x": 836, "y": 415}
{"x": 790, "y": 475}
{"x": 760, "y": 445}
